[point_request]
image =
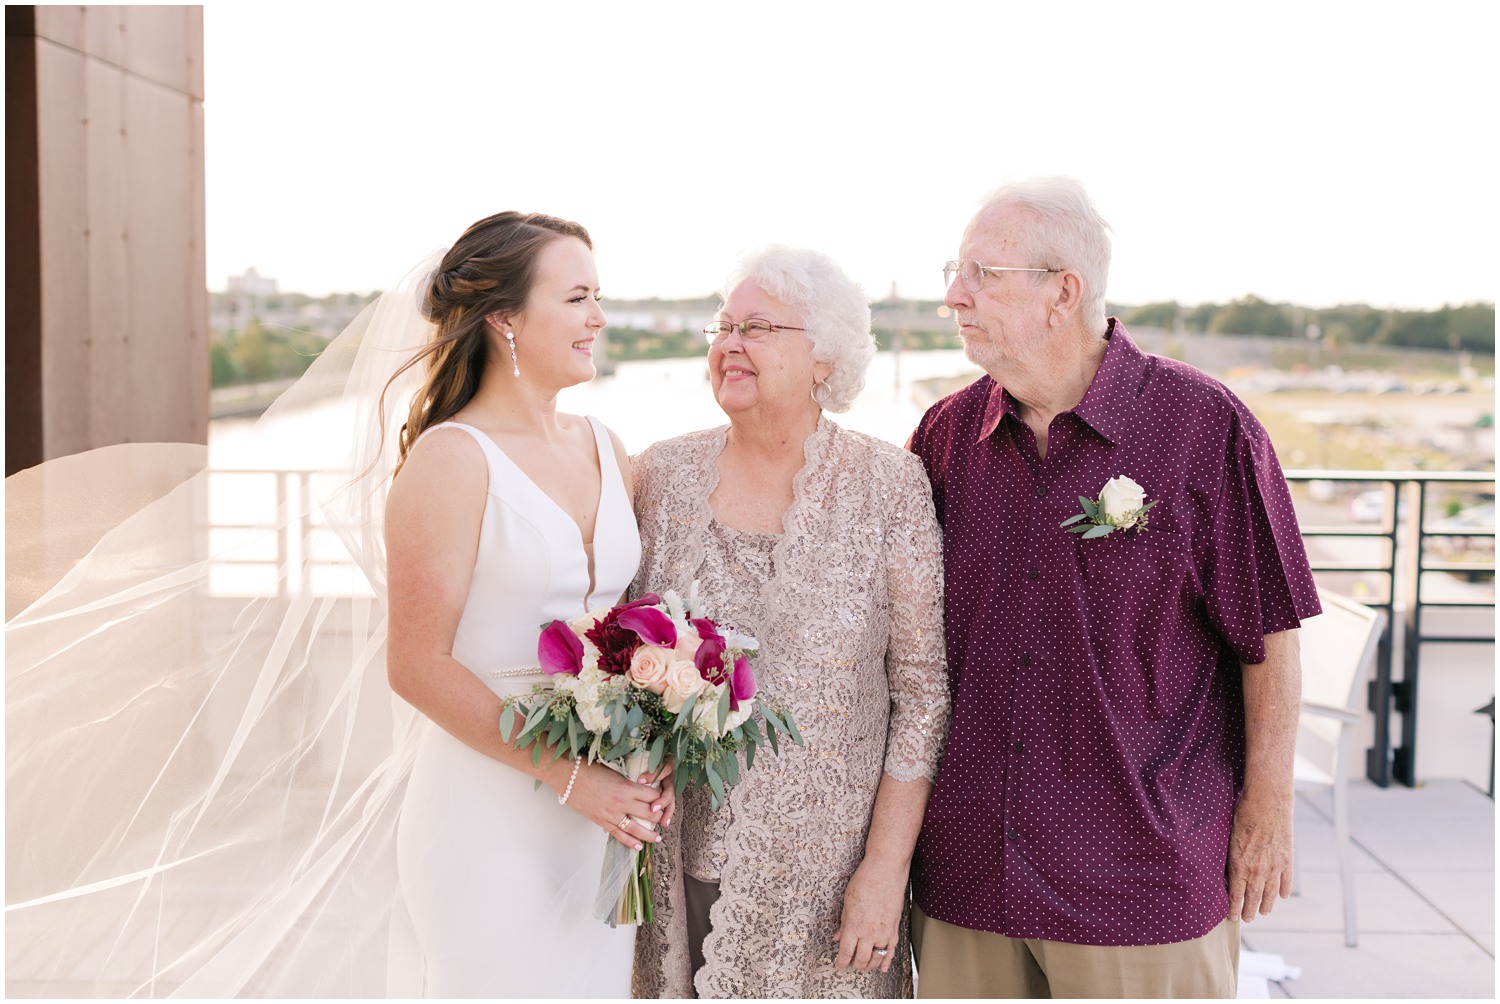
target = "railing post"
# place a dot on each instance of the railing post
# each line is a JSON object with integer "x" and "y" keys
{"x": 1378, "y": 756}
{"x": 1404, "y": 757}
{"x": 283, "y": 536}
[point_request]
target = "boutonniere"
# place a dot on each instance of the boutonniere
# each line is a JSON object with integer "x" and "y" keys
{"x": 1118, "y": 507}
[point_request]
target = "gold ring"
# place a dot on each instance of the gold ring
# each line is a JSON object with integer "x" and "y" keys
{"x": 624, "y": 822}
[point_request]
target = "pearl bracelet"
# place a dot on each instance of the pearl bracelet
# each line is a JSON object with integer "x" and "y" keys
{"x": 563, "y": 798}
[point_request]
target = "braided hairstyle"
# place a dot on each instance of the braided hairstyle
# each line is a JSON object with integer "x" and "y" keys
{"x": 490, "y": 268}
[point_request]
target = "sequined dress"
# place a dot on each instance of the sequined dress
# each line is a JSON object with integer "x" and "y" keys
{"x": 847, "y": 605}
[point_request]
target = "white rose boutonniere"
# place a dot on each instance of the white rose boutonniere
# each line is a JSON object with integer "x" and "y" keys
{"x": 1121, "y": 505}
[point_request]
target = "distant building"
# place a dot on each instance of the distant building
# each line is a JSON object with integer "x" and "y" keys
{"x": 247, "y": 295}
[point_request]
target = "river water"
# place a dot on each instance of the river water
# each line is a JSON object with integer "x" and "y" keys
{"x": 643, "y": 401}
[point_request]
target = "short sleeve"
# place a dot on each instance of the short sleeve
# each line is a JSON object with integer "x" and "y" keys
{"x": 1257, "y": 581}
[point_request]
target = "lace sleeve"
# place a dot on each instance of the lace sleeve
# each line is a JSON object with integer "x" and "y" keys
{"x": 915, "y": 661}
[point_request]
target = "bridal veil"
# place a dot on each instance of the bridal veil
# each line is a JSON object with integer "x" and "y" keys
{"x": 203, "y": 775}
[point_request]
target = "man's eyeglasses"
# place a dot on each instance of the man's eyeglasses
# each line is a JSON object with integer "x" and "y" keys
{"x": 753, "y": 330}
{"x": 973, "y": 273}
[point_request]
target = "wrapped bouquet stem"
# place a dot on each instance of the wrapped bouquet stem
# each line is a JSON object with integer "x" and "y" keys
{"x": 624, "y": 895}
{"x": 632, "y": 685}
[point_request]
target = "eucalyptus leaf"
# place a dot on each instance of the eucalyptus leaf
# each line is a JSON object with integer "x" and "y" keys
{"x": 1089, "y": 506}
{"x": 723, "y": 710}
{"x": 633, "y": 717}
{"x": 715, "y": 784}
{"x": 792, "y": 727}
{"x": 750, "y": 756}
{"x": 507, "y": 721}
{"x": 1148, "y": 505}
{"x": 1074, "y": 519}
{"x": 752, "y": 731}
{"x": 576, "y": 739}
{"x": 1103, "y": 530}
{"x": 658, "y": 754}
{"x": 732, "y": 768}
{"x": 536, "y": 754}
{"x": 685, "y": 716}
{"x": 1081, "y": 528}
{"x": 616, "y": 725}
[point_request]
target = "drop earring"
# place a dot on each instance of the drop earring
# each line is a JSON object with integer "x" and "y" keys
{"x": 515, "y": 368}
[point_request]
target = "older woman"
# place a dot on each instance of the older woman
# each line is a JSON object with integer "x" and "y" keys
{"x": 822, "y": 543}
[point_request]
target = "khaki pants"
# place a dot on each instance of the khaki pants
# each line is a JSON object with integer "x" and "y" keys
{"x": 957, "y": 962}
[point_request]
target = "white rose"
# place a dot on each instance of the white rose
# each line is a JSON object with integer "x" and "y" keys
{"x": 1121, "y": 498}
{"x": 683, "y": 681}
{"x": 737, "y": 716}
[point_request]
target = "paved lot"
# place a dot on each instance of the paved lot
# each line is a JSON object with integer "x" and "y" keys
{"x": 1425, "y": 881}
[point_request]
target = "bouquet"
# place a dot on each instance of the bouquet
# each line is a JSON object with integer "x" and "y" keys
{"x": 632, "y": 685}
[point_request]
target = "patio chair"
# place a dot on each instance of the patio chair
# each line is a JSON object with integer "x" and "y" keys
{"x": 1338, "y": 651}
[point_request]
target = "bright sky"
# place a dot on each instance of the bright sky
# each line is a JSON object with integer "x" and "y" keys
{"x": 1317, "y": 153}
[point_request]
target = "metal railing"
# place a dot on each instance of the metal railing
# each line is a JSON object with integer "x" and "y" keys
{"x": 1411, "y": 561}
{"x": 296, "y": 556}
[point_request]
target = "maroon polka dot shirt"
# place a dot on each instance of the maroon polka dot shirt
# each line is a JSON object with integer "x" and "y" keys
{"x": 1097, "y": 744}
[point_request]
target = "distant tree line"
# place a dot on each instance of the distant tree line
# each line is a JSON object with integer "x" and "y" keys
{"x": 256, "y": 353}
{"x": 1470, "y": 327}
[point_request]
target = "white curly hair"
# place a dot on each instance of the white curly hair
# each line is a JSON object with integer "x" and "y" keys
{"x": 834, "y": 308}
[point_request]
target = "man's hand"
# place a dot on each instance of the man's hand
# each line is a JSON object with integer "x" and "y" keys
{"x": 1260, "y": 857}
{"x": 1260, "y": 843}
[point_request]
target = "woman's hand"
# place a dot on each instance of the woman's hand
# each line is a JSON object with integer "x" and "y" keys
{"x": 873, "y": 902}
{"x": 627, "y": 810}
{"x": 663, "y": 781}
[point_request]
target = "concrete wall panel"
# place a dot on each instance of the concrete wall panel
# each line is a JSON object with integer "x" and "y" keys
{"x": 62, "y": 181}
{"x": 120, "y": 284}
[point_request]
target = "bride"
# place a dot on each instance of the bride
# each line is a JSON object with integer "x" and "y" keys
{"x": 503, "y": 516}
{"x": 207, "y": 796}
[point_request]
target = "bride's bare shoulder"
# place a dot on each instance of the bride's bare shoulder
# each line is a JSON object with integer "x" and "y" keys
{"x": 445, "y": 469}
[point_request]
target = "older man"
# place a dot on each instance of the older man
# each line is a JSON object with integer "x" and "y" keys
{"x": 1124, "y": 580}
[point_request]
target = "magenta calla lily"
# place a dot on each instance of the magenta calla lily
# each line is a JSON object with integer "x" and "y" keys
{"x": 742, "y": 683}
{"x": 559, "y": 650}
{"x": 653, "y": 626}
{"x": 710, "y": 655}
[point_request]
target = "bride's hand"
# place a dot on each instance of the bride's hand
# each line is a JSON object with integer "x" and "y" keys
{"x": 663, "y": 781}
{"x": 629, "y": 812}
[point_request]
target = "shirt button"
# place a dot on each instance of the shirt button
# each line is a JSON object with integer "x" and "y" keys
{"x": 1025, "y": 659}
{"x": 1012, "y": 835}
{"x": 1017, "y": 747}
{"x": 1041, "y": 490}
{"x": 1032, "y": 573}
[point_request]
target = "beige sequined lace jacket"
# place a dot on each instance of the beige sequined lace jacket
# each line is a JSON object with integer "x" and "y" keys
{"x": 848, "y": 611}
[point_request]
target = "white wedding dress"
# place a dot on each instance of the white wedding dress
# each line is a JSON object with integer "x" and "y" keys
{"x": 211, "y": 791}
{"x": 500, "y": 879}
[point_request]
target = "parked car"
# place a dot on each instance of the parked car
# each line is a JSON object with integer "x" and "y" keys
{"x": 1368, "y": 506}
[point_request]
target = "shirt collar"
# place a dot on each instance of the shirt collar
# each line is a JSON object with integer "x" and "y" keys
{"x": 1106, "y": 405}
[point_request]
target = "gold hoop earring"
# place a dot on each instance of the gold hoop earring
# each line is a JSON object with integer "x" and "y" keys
{"x": 813, "y": 393}
{"x": 515, "y": 368}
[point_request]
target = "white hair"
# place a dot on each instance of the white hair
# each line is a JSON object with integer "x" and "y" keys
{"x": 1067, "y": 233}
{"x": 834, "y": 309}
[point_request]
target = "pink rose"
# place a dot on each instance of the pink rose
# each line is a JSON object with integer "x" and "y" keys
{"x": 648, "y": 668}
{"x": 683, "y": 681}
{"x": 687, "y": 645}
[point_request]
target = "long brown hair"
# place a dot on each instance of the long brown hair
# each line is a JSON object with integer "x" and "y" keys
{"x": 490, "y": 268}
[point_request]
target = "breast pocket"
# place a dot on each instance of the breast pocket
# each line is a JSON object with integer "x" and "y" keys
{"x": 1140, "y": 593}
